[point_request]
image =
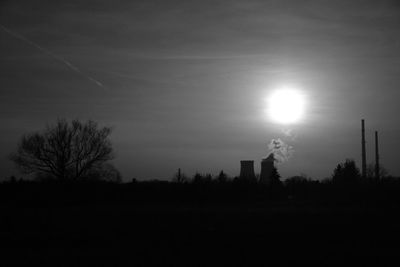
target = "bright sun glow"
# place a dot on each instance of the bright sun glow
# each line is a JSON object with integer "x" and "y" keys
{"x": 286, "y": 106}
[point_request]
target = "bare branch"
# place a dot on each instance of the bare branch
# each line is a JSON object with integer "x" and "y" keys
{"x": 64, "y": 150}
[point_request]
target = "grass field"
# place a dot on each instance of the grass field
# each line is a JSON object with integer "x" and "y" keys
{"x": 118, "y": 233}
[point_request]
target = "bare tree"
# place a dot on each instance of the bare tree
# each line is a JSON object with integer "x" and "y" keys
{"x": 179, "y": 177}
{"x": 371, "y": 171}
{"x": 64, "y": 150}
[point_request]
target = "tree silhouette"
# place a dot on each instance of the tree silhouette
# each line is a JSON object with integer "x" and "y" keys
{"x": 104, "y": 172}
{"x": 222, "y": 177}
{"x": 371, "y": 171}
{"x": 346, "y": 172}
{"x": 296, "y": 180}
{"x": 65, "y": 151}
{"x": 275, "y": 177}
{"x": 197, "y": 178}
{"x": 179, "y": 177}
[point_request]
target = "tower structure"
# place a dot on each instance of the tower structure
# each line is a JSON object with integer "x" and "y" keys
{"x": 377, "y": 167}
{"x": 363, "y": 153}
{"x": 267, "y": 166}
{"x": 247, "y": 170}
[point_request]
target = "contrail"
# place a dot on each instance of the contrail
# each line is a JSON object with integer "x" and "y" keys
{"x": 51, "y": 54}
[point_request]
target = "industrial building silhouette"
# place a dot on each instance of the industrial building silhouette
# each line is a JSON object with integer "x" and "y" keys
{"x": 247, "y": 170}
{"x": 267, "y": 166}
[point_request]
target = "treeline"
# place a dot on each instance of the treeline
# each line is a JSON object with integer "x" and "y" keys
{"x": 296, "y": 190}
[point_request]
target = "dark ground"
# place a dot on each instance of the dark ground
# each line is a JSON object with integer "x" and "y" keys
{"x": 54, "y": 226}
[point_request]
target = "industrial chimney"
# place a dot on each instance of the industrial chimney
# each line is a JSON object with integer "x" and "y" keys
{"x": 363, "y": 153}
{"x": 377, "y": 167}
{"x": 267, "y": 166}
{"x": 247, "y": 170}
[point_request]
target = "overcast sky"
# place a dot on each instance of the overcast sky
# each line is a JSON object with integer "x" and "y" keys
{"x": 184, "y": 83}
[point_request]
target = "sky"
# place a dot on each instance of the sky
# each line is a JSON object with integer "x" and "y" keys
{"x": 184, "y": 84}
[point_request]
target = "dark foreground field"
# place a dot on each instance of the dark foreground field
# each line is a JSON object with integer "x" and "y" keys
{"x": 55, "y": 226}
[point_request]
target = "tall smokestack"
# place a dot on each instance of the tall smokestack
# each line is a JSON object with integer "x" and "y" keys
{"x": 377, "y": 167}
{"x": 247, "y": 170}
{"x": 363, "y": 153}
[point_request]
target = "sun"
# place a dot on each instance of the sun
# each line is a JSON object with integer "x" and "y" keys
{"x": 286, "y": 106}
